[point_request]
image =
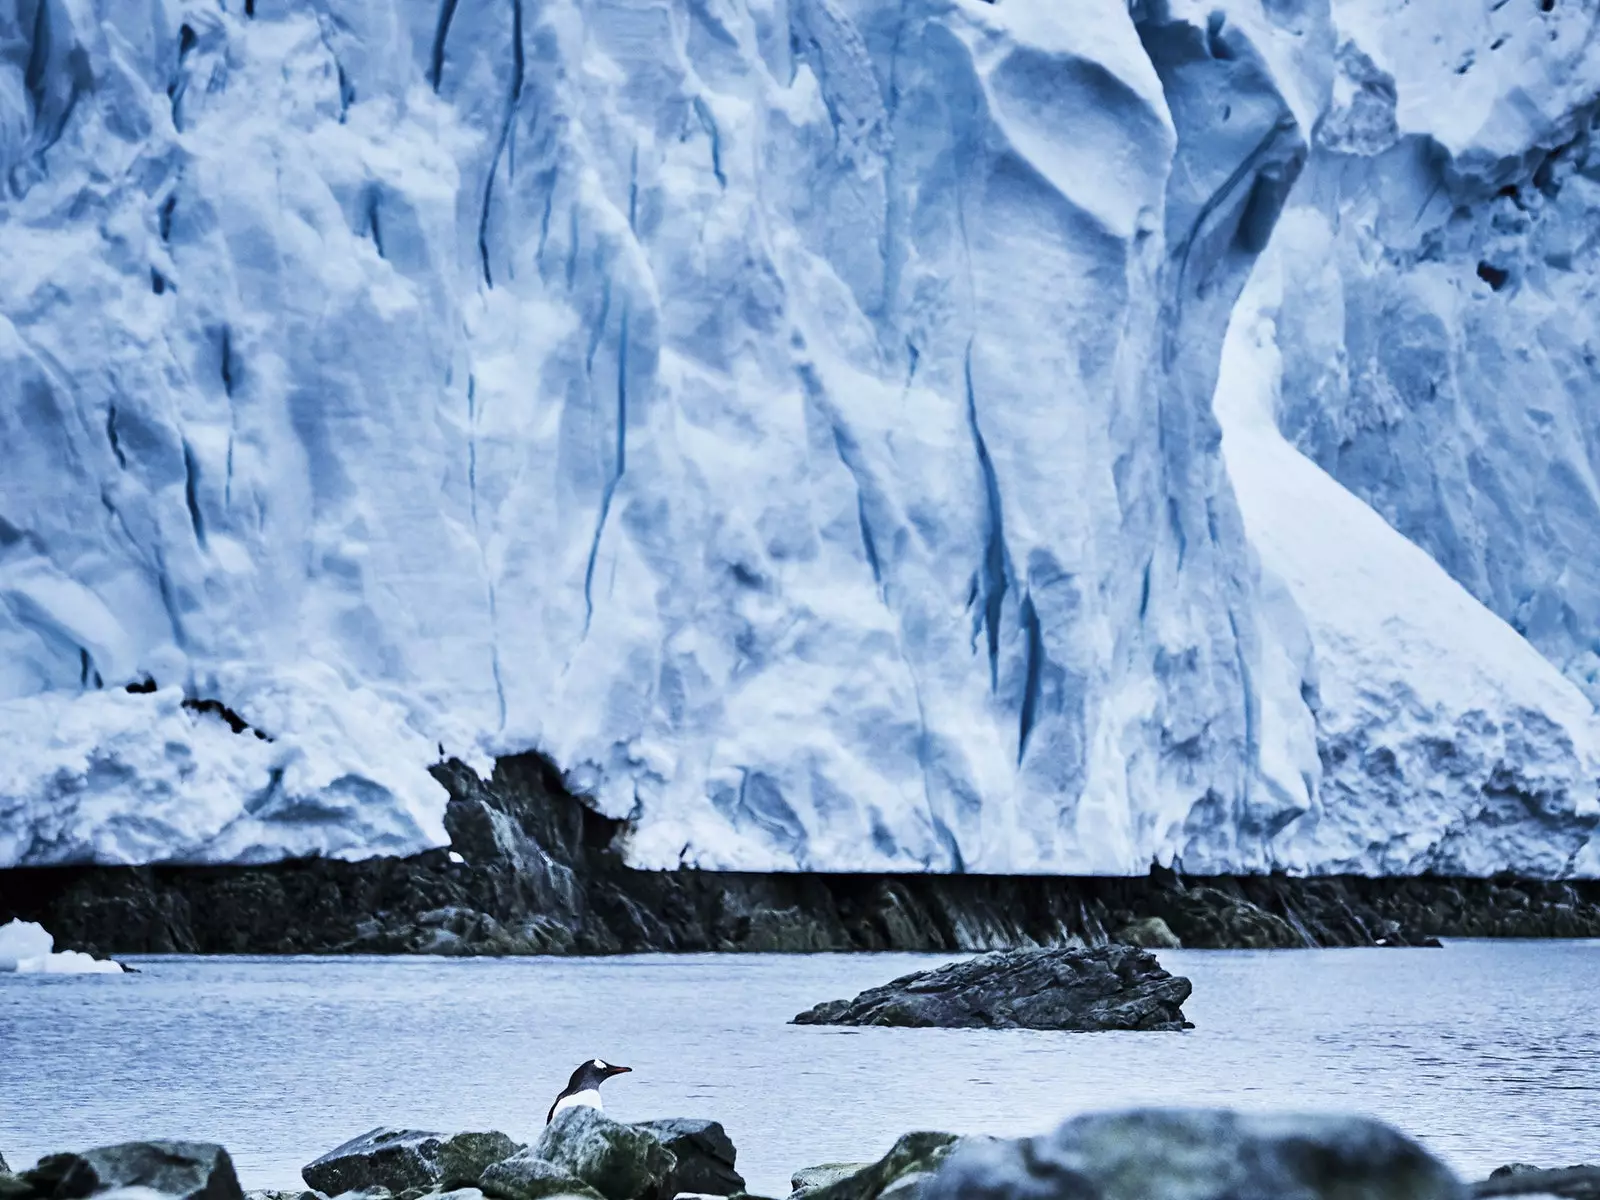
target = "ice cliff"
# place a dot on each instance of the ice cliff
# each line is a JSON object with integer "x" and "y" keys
{"x": 830, "y": 429}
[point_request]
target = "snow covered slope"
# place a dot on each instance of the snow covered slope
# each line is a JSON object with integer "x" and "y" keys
{"x": 793, "y": 416}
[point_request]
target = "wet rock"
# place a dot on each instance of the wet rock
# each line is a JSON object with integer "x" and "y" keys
{"x": 621, "y": 1162}
{"x": 405, "y": 1160}
{"x": 1109, "y": 987}
{"x": 395, "y": 1159}
{"x": 1149, "y": 933}
{"x": 1519, "y": 1179}
{"x": 526, "y": 1176}
{"x": 1161, "y": 1154}
{"x": 278, "y": 1194}
{"x": 910, "y": 1162}
{"x": 704, "y": 1152}
{"x": 187, "y": 1170}
{"x": 464, "y": 1157}
{"x": 807, "y": 1180}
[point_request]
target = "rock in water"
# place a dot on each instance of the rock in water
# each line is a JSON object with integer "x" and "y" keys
{"x": 399, "y": 1159}
{"x": 704, "y": 1152}
{"x": 186, "y": 1170}
{"x": 907, "y": 1166}
{"x": 621, "y": 1162}
{"x": 526, "y": 1176}
{"x": 1519, "y": 1179}
{"x": 1204, "y": 1154}
{"x": 1110, "y": 987}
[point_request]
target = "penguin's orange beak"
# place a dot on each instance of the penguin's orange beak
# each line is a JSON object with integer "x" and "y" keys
{"x": 618, "y": 1070}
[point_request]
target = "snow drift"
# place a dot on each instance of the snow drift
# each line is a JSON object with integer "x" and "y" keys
{"x": 795, "y": 418}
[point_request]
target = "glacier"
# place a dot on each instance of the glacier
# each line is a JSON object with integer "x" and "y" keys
{"x": 944, "y": 435}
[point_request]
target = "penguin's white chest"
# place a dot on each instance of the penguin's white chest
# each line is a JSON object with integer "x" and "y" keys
{"x": 588, "y": 1098}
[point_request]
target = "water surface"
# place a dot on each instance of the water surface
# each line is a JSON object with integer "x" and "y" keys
{"x": 1487, "y": 1051}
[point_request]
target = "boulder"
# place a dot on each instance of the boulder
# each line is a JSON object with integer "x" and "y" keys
{"x": 901, "y": 1172}
{"x": 808, "y": 1180}
{"x": 187, "y": 1170}
{"x": 1200, "y": 1154}
{"x": 279, "y": 1194}
{"x": 526, "y": 1176}
{"x": 464, "y": 1157}
{"x": 621, "y": 1162}
{"x": 395, "y": 1159}
{"x": 1108, "y": 987}
{"x": 401, "y": 1160}
{"x": 1520, "y": 1179}
{"x": 704, "y": 1152}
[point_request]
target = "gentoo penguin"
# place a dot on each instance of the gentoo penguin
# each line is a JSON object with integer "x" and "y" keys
{"x": 584, "y": 1086}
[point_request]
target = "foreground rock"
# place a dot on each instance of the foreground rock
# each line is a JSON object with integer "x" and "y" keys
{"x": 1163, "y": 1154}
{"x": 1519, "y": 1179}
{"x": 526, "y": 1176}
{"x": 400, "y": 1160}
{"x": 704, "y": 1152}
{"x": 184, "y": 1170}
{"x": 621, "y": 1162}
{"x": 902, "y": 1172}
{"x": 1111, "y": 987}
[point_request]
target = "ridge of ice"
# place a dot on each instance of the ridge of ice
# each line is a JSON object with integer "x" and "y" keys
{"x": 795, "y": 418}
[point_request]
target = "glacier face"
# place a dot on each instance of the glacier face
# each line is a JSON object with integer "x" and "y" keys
{"x": 799, "y": 418}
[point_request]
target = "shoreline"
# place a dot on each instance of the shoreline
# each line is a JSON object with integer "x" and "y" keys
{"x": 539, "y": 876}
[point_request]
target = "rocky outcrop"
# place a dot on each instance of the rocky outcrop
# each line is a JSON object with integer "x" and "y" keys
{"x": 1112, "y": 987}
{"x": 1519, "y": 1179}
{"x": 539, "y": 875}
{"x": 621, "y": 1162}
{"x": 909, "y": 1163}
{"x": 404, "y": 1159}
{"x": 181, "y": 1170}
{"x": 705, "y": 1155}
{"x": 1198, "y": 1155}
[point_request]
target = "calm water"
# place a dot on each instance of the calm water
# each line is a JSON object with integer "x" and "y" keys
{"x": 1487, "y": 1051}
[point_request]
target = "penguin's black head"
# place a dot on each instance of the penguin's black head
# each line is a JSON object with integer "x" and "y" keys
{"x": 592, "y": 1074}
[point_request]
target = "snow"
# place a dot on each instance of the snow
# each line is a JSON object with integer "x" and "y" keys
{"x": 1447, "y": 743}
{"x": 796, "y": 419}
{"x": 26, "y": 949}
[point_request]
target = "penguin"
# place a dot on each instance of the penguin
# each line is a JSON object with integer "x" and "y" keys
{"x": 584, "y": 1086}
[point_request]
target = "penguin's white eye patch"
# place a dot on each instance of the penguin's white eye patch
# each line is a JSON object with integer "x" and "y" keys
{"x": 599, "y": 1065}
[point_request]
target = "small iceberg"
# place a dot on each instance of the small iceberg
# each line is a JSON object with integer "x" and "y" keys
{"x": 27, "y": 949}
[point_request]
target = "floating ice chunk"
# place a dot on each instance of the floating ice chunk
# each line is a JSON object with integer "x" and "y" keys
{"x": 27, "y": 949}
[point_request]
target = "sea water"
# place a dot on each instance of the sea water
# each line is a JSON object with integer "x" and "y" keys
{"x": 1486, "y": 1051}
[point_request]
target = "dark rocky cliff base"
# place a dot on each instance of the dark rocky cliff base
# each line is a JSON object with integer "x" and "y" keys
{"x": 540, "y": 877}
